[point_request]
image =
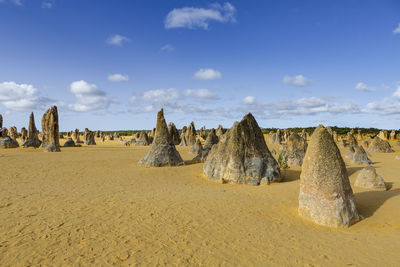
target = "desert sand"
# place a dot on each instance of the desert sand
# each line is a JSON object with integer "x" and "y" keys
{"x": 96, "y": 205}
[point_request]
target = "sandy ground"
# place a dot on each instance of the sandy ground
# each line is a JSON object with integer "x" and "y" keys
{"x": 96, "y": 206}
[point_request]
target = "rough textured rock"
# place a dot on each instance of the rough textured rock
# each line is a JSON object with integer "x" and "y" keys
{"x": 143, "y": 139}
{"x": 325, "y": 195}
{"x": 89, "y": 138}
{"x": 379, "y": 145}
{"x": 211, "y": 139}
{"x": 8, "y": 142}
{"x": 183, "y": 140}
{"x": 69, "y": 143}
{"x": 392, "y": 135}
{"x": 13, "y": 133}
{"x": 242, "y": 156}
{"x": 162, "y": 151}
{"x": 75, "y": 136}
{"x": 3, "y": 132}
{"x": 190, "y": 134}
{"x": 33, "y": 134}
{"x": 275, "y": 138}
{"x": 368, "y": 178}
{"x": 24, "y": 134}
{"x": 295, "y": 149}
{"x": 359, "y": 156}
{"x": 50, "y": 130}
{"x": 174, "y": 133}
{"x": 383, "y": 134}
{"x": 220, "y": 131}
{"x": 196, "y": 148}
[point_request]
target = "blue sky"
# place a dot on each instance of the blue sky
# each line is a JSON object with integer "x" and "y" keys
{"x": 112, "y": 64}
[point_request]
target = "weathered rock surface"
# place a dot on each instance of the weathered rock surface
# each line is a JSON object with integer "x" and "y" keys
{"x": 359, "y": 156}
{"x": 220, "y": 131}
{"x": 162, "y": 151}
{"x": 295, "y": 149}
{"x": 242, "y": 156}
{"x": 379, "y": 145}
{"x": 143, "y": 139}
{"x": 190, "y": 134}
{"x": 174, "y": 133}
{"x": 368, "y": 178}
{"x": 89, "y": 138}
{"x": 8, "y": 142}
{"x": 196, "y": 148}
{"x": 275, "y": 138}
{"x": 24, "y": 134}
{"x": 50, "y": 130}
{"x": 183, "y": 140}
{"x": 325, "y": 195}
{"x": 33, "y": 134}
{"x": 13, "y": 133}
{"x": 69, "y": 143}
{"x": 211, "y": 139}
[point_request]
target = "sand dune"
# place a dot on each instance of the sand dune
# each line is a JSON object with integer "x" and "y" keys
{"x": 95, "y": 205}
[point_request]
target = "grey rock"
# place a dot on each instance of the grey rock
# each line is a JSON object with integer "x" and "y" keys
{"x": 368, "y": 178}
{"x": 50, "y": 129}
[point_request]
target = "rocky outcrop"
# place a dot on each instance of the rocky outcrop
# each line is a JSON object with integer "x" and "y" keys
{"x": 359, "y": 156}
{"x": 190, "y": 134}
{"x": 89, "y": 138}
{"x": 242, "y": 156}
{"x": 8, "y": 142}
{"x": 197, "y": 148}
{"x": 383, "y": 134}
{"x": 13, "y": 133}
{"x": 220, "y": 131}
{"x": 174, "y": 133}
{"x": 162, "y": 151}
{"x": 379, "y": 145}
{"x": 325, "y": 195}
{"x": 69, "y": 143}
{"x": 368, "y": 178}
{"x": 295, "y": 149}
{"x": 143, "y": 139}
{"x": 33, "y": 134}
{"x": 50, "y": 130}
{"x": 24, "y": 134}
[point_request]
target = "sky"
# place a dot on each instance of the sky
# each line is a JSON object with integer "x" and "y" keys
{"x": 112, "y": 64}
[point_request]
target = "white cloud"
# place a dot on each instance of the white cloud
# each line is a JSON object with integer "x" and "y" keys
{"x": 21, "y": 97}
{"x": 397, "y": 92}
{"x": 298, "y": 80}
{"x": 201, "y": 94}
{"x": 118, "y": 78}
{"x": 363, "y": 87}
{"x": 47, "y": 4}
{"x": 397, "y": 30}
{"x": 88, "y": 97}
{"x": 117, "y": 40}
{"x": 167, "y": 48}
{"x": 192, "y": 17}
{"x": 207, "y": 74}
{"x": 248, "y": 100}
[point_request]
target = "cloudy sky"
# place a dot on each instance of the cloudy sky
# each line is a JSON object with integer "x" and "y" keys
{"x": 112, "y": 64}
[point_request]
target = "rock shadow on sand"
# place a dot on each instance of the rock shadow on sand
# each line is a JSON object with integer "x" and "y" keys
{"x": 290, "y": 175}
{"x": 368, "y": 202}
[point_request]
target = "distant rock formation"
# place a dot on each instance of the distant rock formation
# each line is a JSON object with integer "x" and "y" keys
{"x": 24, "y": 134}
{"x": 220, "y": 131}
{"x": 275, "y": 138}
{"x": 50, "y": 130}
{"x": 211, "y": 140}
{"x": 295, "y": 149}
{"x": 197, "y": 148}
{"x": 325, "y": 195}
{"x": 174, "y": 133}
{"x": 368, "y": 178}
{"x": 33, "y": 134}
{"x": 75, "y": 136}
{"x": 143, "y": 139}
{"x": 162, "y": 151}
{"x": 183, "y": 140}
{"x": 242, "y": 156}
{"x": 13, "y": 133}
{"x": 359, "y": 156}
{"x": 190, "y": 134}
{"x": 1, "y": 121}
{"x": 8, "y": 142}
{"x": 89, "y": 138}
{"x": 69, "y": 143}
{"x": 383, "y": 134}
{"x": 379, "y": 145}
{"x": 392, "y": 135}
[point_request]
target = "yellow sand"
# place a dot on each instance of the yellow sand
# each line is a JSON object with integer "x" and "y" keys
{"x": 96, "y": 206}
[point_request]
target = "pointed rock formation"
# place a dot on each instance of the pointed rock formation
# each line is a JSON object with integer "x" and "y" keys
{"x": 24, "y": 134}
{"x": 75, "y": 136}
{"x": 162, "y": 151}
{"x": 33, "y": 134}
{"x": 325, "y": 195}
{"x": 183, "y": 140}
{"x": 143, "y": 139}
{"x": 89, "y": 137}
{"x": 1, "y": 121}
{"x": 383, "y": 134}
{"x": 220, "y": 131}
{"x": 211, "y": 140}
{"x": 13, "y": 133}
{"x": 197, "y": 148}
{"x": 50, "y": 130}
{"x": 359, "y": 156}
{"x": 379, "y": 145}
{"x": 368, "y": 178}
{"x": 295, "y": 149}
{"x": 174, "y": 133}
{"x": 242, "y": 156}
{"x": 392, "y": 135}
{"x": 190, "y": 134}
{"x": 275, "y": 138}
